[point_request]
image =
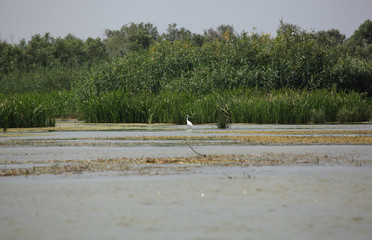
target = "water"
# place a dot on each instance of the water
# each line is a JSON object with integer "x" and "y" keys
{"x": 325, "y": 201}
{"x": 210, "y": 203}
{"x": 65, "y": 145}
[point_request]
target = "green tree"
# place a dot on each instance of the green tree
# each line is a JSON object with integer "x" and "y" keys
{"x": 94, "y": 50}
{"x": 360, "y": 43}
{"x": 288, "y": 29}
{"x": 197, "y": 39}
{"x": 115, "y": 43}
{"x": 331, "y": 37}
{"x": 132, "y": 37}
{"x": 69, "y": 50}
{"x": 39, "y": 51}
{"x": 11, "y": 57}
{"x": 222, "y": 32}
{"x": 175, "y": 34}
{"x": 140, "y": 36}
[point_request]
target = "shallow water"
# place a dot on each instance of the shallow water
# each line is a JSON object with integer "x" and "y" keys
{"x": 324, "y": 201}
{"x": 211, "y": 203}
{"x": 29, "y": 153}
{"x": 92, "y": 144}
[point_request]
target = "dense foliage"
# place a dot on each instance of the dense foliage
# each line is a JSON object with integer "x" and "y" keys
{"x": 46, "y": 63}
{"x": 250, "y": 61}
{"x": 136, "y": 74}
{"x": 137, "y": 58}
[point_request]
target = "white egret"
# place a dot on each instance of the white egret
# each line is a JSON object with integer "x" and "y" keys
{"x": 189, "y": 124}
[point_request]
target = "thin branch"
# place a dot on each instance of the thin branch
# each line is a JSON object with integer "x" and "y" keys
{"x": 195, "y": 151}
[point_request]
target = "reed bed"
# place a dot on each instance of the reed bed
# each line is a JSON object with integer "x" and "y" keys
{"x": 284, "y": 106}
{"x": 36, "y": 109}
{"x": 25, "y": 110}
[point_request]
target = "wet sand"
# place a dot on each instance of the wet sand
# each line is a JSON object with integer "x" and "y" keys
{"x": 161, "y": 189}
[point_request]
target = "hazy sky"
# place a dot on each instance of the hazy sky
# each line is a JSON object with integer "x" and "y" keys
{"x": 89, "y": 18}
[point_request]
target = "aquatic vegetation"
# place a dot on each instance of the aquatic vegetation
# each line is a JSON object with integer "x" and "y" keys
{"x": 204, "y": 137}
{"x": 25, "y": 110}
{"x": 318, "y": 116}
{"x": 284, "y": 106}
{"x": 175, "y": 165}
{"x": 247, "y": 78}
{"x": 35, "y": 109}
{"x": 160, "y": 135}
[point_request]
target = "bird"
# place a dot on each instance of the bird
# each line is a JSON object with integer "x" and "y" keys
{"x": 189, "y": 124}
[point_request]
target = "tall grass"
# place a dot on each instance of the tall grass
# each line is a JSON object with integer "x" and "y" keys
{"x": 25, "y": 110}
{"x": 36, "y": 109}
{"x": 284, "y": 106}
{"x": 301, "y": 106}
{"x": 123, "y": 107}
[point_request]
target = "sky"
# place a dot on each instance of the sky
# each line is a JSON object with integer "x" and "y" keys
{"x": 89, "y": 18}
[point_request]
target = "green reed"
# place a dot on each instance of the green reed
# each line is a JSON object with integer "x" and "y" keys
{"x": 284, "y": 106}
{"x": 26, "y": 110}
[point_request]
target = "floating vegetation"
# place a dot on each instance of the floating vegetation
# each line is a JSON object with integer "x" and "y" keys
{"x": 252, "y": 137}
{"x": 148, "y": 136}
{"x": 174, "y": 165}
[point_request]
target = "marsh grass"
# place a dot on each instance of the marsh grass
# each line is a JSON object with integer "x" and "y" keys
{"x": 25, "y": 110}
{"x": 284, "y": 106}
{"x": 317, "y": 116}
{"x": 224, "y": 115}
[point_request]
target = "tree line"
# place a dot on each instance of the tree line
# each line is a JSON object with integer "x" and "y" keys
{"x": 137, "y": 57}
